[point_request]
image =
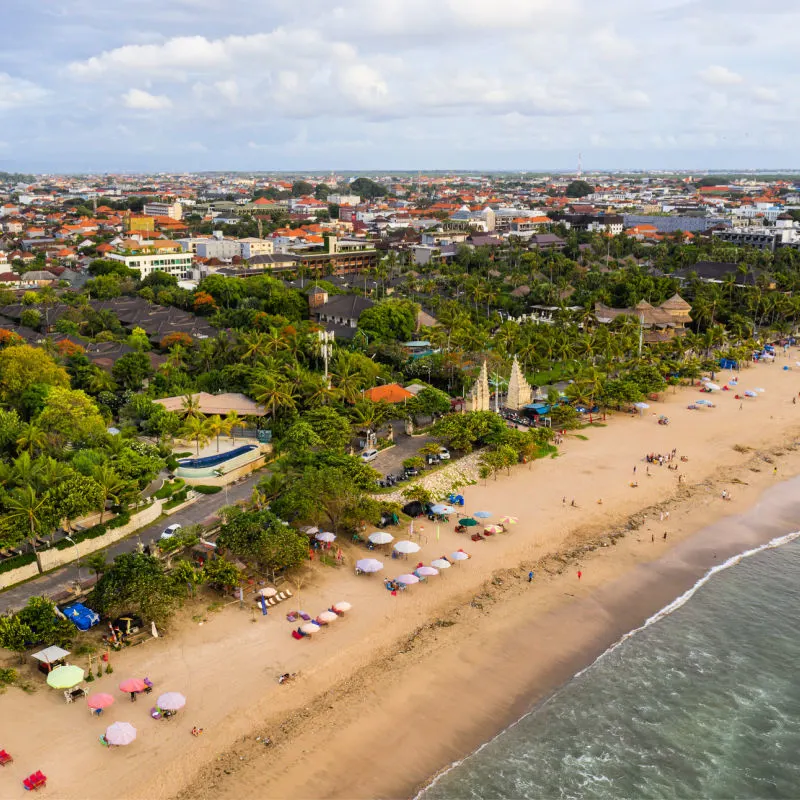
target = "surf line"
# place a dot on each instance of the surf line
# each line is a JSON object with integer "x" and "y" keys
{"x": 668, "y": 609}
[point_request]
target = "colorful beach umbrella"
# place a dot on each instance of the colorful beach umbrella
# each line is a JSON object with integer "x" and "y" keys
{"x": 171, "y": 701}
{"x": 459, "y": 555}
{"x": 426, "y": 571}
{"x": 99, "y": 700}
{"x": 325, "y": 536}
{"x": 381, "y": 537}
{"x": 369, "y": 565}
{"x": 120, "y": 733}
{"x": 441, "y": 563}
{"x": 468, "y": 522}
{"x": 494, "y": 528}
{"x": 327, "y": 616}
{"x": 407, "y": 580}
{"x": 508, "y": 520}
{"x": 133, "y": 685}
{"x": 65, "y": 677}
{"x": 407, "y": 547}
{"x": 341, "y": 607}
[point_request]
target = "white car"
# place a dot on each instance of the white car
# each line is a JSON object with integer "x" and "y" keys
{"x": 369, "y": 455}
{"x": 444, "y": 454}
{"x": 170, "y": 531}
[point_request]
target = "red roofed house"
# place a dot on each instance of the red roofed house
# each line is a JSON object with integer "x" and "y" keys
{"x": 388, "y": 393}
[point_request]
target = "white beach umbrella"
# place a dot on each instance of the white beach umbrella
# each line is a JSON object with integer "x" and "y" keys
{"x": 407, "y": 580}
{"x": 407, "y": 547}
{"x": 759, "y": 389}
{"x": 369, "y": 565}
{"x": 459, "y": 555}
{"x": 381, "y": 537}
{"x": 441, "y": 563}
{"x": 341, "y": 607}
{"x": 310, "y": 628}
{"x": 309, "y": 531}
{"x": 712, "y": 387}
{"x": 427, "y": 571}
{"x": 269, "y": 591}
{"x": 641, "y": 406}
{"x": 440, "y": 508}
{"x": 325, "y": 536}
{"x": 327, "y": 616}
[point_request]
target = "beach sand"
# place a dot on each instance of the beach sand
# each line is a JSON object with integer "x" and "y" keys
{"x": 402, "y": 686}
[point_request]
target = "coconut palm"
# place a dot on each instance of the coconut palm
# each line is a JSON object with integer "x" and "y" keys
{"x": 111, "y": 486}
{"x": 32, "y": 438}
{"x": 30, "y": 510}
{"x": 197, "y": 430}
{"x": 274, "y": 393}
{"x": 233, "y": 420}
{"x": 218, "y": 426}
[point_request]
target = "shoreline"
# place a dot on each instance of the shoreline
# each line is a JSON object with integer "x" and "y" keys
{"x": 575, "y": 633}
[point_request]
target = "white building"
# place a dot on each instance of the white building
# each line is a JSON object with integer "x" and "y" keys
{"x": 171, "y": 210}
{"x": 149, "y": 257}
{"x": 344, "y": 199}
{"x": 218, "y": 248}
{"x": 252, "y": 247}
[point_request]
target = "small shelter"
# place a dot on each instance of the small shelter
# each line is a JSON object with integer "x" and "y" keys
{"x": 50, "y": 658}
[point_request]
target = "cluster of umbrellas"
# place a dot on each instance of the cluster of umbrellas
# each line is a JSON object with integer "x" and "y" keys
{"x": 325, "y": 618}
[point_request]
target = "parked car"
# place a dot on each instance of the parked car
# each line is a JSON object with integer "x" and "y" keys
{"x": 171, "y": 530}
{"x": 444, "y": 454}
{"x": 410, "y": 472}
{"x": 369, "y": 455}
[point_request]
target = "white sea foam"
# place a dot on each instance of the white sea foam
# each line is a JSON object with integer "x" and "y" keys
{"x": 778, "y": 541}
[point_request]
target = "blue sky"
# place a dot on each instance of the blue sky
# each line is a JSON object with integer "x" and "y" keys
{"x": 87, "y": 85}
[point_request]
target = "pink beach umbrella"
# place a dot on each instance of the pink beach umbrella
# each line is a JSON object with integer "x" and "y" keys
{"x": 427, "y": 571}
{"x": 407, "y": 580}
{"x": 133, "y": 685}
{"x": 99, "y": 700}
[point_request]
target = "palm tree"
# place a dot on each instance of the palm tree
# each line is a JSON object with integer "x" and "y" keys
{"x": 101, "y": 381}
{"x": 233, "y": 420}
{"x": 274, "y": 393}
{"x": 191, "y": 406}
{"x": 217, "y": 426}
{"x": 196, "y": 429}
{"x": 111, "y": 486}
{"x": 31, "y": 438}
{"x": 27, "y": 508}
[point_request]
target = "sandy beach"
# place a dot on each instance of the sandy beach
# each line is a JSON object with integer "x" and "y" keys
{"x": 403, "y": 686}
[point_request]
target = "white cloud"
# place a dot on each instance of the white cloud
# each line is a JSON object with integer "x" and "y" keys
{"x": 144, "y": 101}
{"x": 716, "y": 75}
{"x": 16, "y": 92}
{"x": 766, "y": 95}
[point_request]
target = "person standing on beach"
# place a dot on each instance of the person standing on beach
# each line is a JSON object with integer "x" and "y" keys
{"x": 665, "y": 536}
{"x": 579, "y": 574}
{"x": 653, "y": 538}
{"x": 530, "y": 576}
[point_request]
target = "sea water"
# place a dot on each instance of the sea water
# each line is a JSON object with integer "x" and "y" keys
{"x": 701, "y": 702}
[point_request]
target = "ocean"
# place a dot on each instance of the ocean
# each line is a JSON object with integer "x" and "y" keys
{"x": 703, "y": 701}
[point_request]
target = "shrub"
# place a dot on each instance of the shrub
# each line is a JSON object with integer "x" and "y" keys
{"x": 17, "y": 561}
{"x": 207, "y": 489}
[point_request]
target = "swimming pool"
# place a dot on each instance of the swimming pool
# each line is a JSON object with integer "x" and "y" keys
{"x": 206, "y": 466}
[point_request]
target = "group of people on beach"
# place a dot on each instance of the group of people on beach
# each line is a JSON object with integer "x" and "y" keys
{"x": 659, "y": 458}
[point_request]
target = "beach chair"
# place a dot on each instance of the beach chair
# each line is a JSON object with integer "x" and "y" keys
{"x": 297, "y": 635}
{"x": 304, "y": 616}
{"x": 476, "y": 537}
{"x": 5, "y": 758}
{"x": 285, "y": 594}
{"x": 35, "y": 781}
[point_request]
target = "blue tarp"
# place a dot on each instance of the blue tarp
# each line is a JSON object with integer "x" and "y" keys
{"x": 82, "y": 617}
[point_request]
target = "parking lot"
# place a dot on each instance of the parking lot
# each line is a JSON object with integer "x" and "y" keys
{"x": 391, "y": 460}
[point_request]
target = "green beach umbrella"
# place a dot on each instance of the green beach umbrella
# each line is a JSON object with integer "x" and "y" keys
{"x": 468, "y": 522}
{"x": 65, "y": 677}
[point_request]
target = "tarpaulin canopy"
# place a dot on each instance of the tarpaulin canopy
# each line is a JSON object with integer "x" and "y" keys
{"x": 51, "y": 654}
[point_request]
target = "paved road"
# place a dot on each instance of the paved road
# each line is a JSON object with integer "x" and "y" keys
{"x": 57, "y": 581}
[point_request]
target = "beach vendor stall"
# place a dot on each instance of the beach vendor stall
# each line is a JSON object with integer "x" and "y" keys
{"x": 50, "y": 658}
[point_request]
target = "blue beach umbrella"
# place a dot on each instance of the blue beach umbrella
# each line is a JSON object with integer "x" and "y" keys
{"x": 482, "y": 514}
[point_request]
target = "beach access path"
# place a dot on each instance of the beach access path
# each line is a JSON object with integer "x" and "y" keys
{"x": 201, "y": 511}
{"x": 403, "y": 685}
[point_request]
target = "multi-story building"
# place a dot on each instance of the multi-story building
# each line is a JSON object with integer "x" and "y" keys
{"x": 149, "y": 257}
{"x": 217, "y": 248}
{"x": 344, "y": 199}
{"x": 785, "y": 233}
{"x": 171, "y": 210}
{"x": 251, "y": 247}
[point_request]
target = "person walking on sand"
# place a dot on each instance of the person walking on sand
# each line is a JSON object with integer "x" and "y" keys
{"x": 665, "y": 536}
{"x": 573, "y": 503}
{"x": 634, "y": 469}
{"x": 774, "y": 470}
{"x": 530, "y": 576}
{"x": 653, "y": 538}
{"x": 579, "y": 574}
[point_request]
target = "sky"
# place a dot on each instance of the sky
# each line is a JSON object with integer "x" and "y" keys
{"x": 188, "y": 85}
